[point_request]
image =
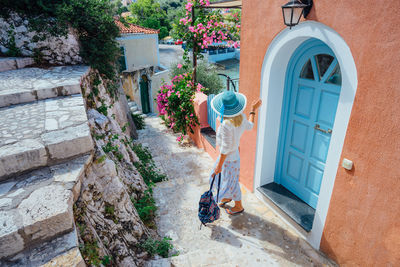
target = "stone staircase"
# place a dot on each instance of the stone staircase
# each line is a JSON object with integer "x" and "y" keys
{"x": 135, "y": 109}
{"x": 45, "y": 146}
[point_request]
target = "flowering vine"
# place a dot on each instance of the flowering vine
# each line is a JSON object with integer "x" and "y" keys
{"x": 207, "y": 28}
{"x": 175, "y": 104}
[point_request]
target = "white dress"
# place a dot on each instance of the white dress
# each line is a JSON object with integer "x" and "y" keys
{"x": 228, "y": 140}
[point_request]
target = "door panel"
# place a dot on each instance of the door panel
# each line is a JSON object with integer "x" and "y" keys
{"x": 299, "y": 136}
{"x": 314, "y": 178}
{"x": 311, "y": 99}
{"x": 304, "y": 101}
{"x": 320, "y": 146}
{"x": 327, "y": 108}
{"x": 295, "y": 165}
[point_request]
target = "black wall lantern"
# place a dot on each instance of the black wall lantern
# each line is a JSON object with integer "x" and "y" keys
{"x": 292, "y": 11}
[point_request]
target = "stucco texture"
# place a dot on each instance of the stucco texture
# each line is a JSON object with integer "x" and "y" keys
{"x": 362, "y": 227}
{"x": 140, "y": 52}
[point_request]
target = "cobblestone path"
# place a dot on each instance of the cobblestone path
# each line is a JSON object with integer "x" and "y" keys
{"x": 255, "y": 238}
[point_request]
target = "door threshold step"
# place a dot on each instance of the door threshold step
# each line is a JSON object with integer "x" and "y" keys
{"x": 289, "y": 203}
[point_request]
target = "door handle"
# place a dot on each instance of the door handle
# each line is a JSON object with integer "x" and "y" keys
{"x": 316, "y": 127}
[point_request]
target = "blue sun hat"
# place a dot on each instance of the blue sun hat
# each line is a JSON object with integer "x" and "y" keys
{"x": 229, "y": 104}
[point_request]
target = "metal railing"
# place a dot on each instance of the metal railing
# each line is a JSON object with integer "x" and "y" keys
{"x": 230, "y": 81}
{"x": 211, "y": 114}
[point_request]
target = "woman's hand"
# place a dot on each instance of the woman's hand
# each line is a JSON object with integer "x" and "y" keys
{"x": 256, "y": 104}
{"x": 218, "y": 169}
{"x": 221, "y": 161}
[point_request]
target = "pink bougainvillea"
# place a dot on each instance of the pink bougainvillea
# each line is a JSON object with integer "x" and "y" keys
{"x": 209, "y": 27}
{"x": 175, "y": 104}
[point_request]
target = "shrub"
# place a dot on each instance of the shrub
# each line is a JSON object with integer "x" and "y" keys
{"x": 138, "y": 120}
{"x": 206, "y": 75}
{"x": 92, "y": 20}
{"x": 160, "y": 247}
{"x": 146, "y": 166}
{"x": 146, "y": 207}
{"x": 175, "y": 104}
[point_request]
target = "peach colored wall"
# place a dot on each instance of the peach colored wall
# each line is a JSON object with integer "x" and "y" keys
{"x": 363, "y": 223}
{"x": 200, "y": 108}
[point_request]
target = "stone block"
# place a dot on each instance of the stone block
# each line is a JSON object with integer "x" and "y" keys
{"x": 28, "y": 84}
{"x": 68, "y": 142}
{"x": 22, "y": 62}
{"x": 24, "y": 155}
{"x": 11, "y": 241}
{"x": 48, "y": 253}
{"x": 9, "y": 98}
{"x": 47, "y": 212}
{"x": 7, "y": 63}
{"x": 71, "y": 258}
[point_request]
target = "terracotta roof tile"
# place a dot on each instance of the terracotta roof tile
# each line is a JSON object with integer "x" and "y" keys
{"x": 134, "y": 29}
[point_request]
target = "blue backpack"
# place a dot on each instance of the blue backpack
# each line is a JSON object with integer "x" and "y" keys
{"x": 208, "y": 208}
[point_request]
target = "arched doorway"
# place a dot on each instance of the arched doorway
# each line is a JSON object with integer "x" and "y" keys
{"x": 313, "y": 84}
{"x": 144, "y": 94}
{"x": 272, "y": 90}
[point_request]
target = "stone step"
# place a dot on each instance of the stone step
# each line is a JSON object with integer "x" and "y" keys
{"x": 61, "y": 251}
{"x": 137, "y": 112}
{"x": 133, "y": 109}
{"x": 13, "y": 63}
{"x": 30, "y": 84}
{"x": 36, "y": 208}
{"x": 42, "y": 133}
{"x": 132, "y": 104}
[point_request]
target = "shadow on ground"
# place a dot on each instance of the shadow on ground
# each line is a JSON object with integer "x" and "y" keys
{"x": 256, "y": 237}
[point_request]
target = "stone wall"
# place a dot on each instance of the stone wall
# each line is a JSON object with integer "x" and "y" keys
{"x": 54, "y": 50}
{"x": 105, "y": 213}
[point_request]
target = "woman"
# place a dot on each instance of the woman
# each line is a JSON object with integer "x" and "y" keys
{"x": 230, "y": 107}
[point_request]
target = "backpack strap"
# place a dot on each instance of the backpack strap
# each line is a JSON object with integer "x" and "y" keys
{"x": 219, "y": 184}
{"x": 212, "y": 183}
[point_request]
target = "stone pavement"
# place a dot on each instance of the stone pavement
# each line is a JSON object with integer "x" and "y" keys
{"x": 29, "y": 84}
{"x": 255, "y": 238}
{"x": 36, "y": 133}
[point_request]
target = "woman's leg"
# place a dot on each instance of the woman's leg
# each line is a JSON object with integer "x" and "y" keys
{"x": 235, "y": 188}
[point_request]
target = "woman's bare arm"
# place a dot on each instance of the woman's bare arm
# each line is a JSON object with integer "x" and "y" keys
{"x": 220, "y": 163}
{"x": 255, "y": 105}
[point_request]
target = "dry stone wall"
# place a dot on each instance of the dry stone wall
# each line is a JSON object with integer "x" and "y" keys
{"x": 105, "y": 213}
{"x": 54, "y": 50}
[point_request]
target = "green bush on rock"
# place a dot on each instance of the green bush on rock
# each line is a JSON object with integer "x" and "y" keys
{"x": 91, "y": 19}
{"x": 160, "y": 247}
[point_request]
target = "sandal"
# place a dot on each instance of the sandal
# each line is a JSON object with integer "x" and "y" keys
{"x": 230, "y": 212}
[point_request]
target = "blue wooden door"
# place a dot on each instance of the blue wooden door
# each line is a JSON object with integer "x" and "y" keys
{"x": 311, "y": 97}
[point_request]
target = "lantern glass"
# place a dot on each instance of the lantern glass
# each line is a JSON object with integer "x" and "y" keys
{"x": 291, "y": 15}
{"x": 287, "y": 15}
{"x": 292, "y": 12}
{"x": 297, "y": 11}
